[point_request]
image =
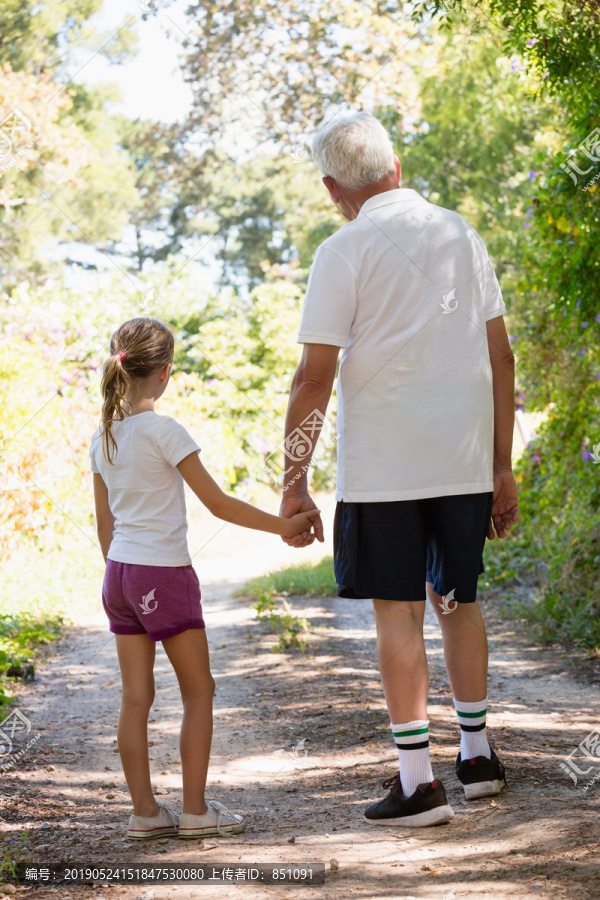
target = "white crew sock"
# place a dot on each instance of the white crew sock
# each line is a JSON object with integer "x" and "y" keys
{"x": 473, "y": 736}
{"x": 412, "y": 741}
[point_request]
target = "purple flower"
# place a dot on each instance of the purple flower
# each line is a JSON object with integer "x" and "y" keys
{"x": 535, "y": 458}
{"x": 584, "y": 324}
{"x": 564, "y": 312}
{"x": 578, "y": 303}
{"x": 598, "y": 318}
{"x": 585, "y": 455}
{"x": 212, "y": 381}
{"x": 514, "y": 63}
{"x": 532, "y": 42}
{"x": 527, "y": 225}
{"x": 560, "y": 433}
{"x": 262, "y": 445}
{"x": 511, "y": 338}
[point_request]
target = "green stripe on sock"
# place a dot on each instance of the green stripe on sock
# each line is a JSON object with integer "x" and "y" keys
{"x": 475, "y": 715}
{"x": 410, "y": 733}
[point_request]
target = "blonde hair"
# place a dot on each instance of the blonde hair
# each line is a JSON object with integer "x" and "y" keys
{"x": 138, "y": 348}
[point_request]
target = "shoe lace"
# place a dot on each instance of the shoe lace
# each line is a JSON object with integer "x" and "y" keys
{"x": 221, "y": 810}
{"x": 389, "y": 782}
{"x": 171, "y": 812}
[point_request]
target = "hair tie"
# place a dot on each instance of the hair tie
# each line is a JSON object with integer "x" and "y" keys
{"x": 122, "y": 355}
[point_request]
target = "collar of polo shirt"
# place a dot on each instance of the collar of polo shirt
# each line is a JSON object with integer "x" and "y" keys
{"x": 396, "y": 195}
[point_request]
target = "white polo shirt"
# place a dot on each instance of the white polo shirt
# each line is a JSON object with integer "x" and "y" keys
{"x": 406, "y": 289}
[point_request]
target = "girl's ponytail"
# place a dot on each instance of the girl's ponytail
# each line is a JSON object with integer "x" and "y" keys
{"x": 114, "y": 385}
{"x": 138, "y": 348}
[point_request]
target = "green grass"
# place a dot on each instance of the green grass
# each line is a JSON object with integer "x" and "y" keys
{"x": 307, "y": 580}
{"x": 21, "y": 635}
{"x": 270, "y": 591}
{"x": 43, "y": 588}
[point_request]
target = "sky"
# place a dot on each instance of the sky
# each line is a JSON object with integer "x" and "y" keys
{"x": 150, "y": 83}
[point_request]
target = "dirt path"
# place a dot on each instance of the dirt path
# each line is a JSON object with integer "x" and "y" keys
{"x": 538, "y": 840}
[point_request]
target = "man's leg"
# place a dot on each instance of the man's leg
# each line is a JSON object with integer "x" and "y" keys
{"x": 415, "y": 798}
{"x": 405, "y": 679}
{"x": 402, "y": 659}
{"x": 466, "y": 656}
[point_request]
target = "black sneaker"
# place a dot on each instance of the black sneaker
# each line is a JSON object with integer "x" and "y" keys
{"x": 427, "y": 806}
{"x": 480, "y": 776}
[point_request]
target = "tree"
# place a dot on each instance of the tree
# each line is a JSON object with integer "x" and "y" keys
{"x": 61, "y": 176}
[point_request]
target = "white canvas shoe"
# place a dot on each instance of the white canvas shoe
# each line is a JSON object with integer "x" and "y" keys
{"x": 216, "y": 821}
{"x": 146, "y": 828}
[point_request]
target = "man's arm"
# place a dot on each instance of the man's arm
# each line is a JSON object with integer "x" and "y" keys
{"x": 311, "y": 389}
{"x": 505, "y": 509}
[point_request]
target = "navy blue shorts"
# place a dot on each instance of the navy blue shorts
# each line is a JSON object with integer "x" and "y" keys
{"x": 389, "y": 550}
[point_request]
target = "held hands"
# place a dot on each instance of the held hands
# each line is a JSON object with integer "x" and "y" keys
{"x": 300, "y": 525}
{"x": 303, "y": 515}
{"x": 505, "y": 507}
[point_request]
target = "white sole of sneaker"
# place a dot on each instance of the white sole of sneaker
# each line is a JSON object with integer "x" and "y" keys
{"x": 187, "y": 834}
{"x": 436, "y": 816}
{"x": 156, "y": 833}
{"x": 483, "y": 789}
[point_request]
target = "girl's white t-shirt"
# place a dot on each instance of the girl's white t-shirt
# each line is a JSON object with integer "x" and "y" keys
{"x": 145, "y": 489}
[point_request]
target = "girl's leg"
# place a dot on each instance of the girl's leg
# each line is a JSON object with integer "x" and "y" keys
{"x": 136, "y": 659}
{"x": 188, "y": 653}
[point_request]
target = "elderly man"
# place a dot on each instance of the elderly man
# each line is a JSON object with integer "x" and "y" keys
{"x": 425, "y": 423}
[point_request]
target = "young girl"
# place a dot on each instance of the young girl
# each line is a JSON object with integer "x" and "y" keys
{"x": 151, "y": 592}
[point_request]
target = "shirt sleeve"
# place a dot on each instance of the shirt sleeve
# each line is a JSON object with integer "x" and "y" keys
{"x": 173, "y": 442}
{"x": 330, "y": 302}
{"x": 93, "y": 447}
{"x": 491, "y": 295}
{"x": 493, "y": 304}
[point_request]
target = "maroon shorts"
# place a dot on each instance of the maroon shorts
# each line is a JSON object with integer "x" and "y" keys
{"x": 160, "y": 601}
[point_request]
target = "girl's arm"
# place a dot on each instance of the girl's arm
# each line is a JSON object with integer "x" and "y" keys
{"x": 105, "y": 521}
{"x": 229, "y": 508}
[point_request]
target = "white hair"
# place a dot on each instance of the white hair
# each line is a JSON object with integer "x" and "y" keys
{"x": 354, "y": 150}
